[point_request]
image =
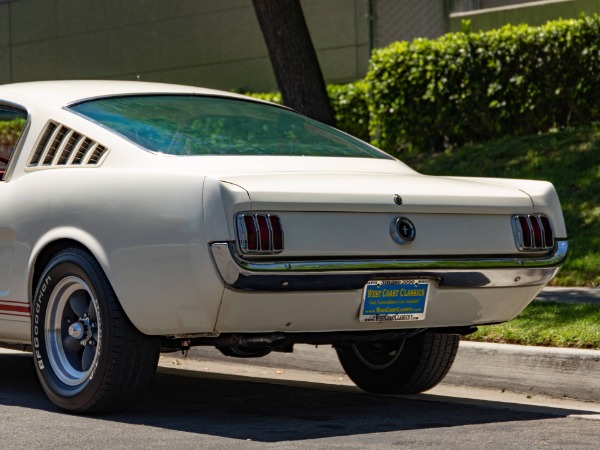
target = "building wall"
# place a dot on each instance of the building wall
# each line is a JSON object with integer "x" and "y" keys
{"x": 469, "y": 5}
{"x": 532, "y": 13}
{"x": 198, "y": 42}
{"x": 405, "y": 20}
{"x": 218, "y": 43}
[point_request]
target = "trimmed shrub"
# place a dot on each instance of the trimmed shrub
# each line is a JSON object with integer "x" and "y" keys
{"x": 472, "y": 87}
{"x": 349, "y": 102}
{"x": 273, "y": 97}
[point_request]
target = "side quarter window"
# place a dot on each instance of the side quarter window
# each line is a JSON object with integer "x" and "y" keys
{"x": 12, "y": 123}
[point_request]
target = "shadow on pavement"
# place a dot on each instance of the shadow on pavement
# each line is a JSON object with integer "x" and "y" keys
{"x": 233, "y": 407}
{"x": 19, "y": 384}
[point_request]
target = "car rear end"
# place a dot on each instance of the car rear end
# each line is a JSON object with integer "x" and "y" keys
{"x": 317, "y": 237}
{"x": 352, "y": 252}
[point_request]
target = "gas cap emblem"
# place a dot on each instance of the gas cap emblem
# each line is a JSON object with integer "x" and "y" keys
{"x": 402, "y": 231}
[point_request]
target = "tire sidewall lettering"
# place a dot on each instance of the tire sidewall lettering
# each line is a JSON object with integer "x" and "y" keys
{"x": 43, "y": 293}
{"x": 39, "y": 299}
{"x": 125, "y": 359}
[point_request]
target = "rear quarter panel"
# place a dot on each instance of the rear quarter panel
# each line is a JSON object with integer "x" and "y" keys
{"x": 145, "y": 227}
{"x": 144, "y": 224}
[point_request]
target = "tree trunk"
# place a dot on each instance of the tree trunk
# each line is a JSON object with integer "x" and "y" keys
{"x": 294, "y": 59}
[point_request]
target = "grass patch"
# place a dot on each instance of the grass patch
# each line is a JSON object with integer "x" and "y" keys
{"x": 547, "y": 324}
{"x": 570, "y": 159}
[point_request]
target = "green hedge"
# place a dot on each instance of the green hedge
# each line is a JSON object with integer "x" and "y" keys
{"x": 473, "y": 87}
{"x": 349, "y": 102}
{"x": 351, "y": 106}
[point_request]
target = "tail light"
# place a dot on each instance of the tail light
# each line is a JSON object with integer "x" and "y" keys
{"x": 259, "y": 233}
{"x": 532, "y": 232}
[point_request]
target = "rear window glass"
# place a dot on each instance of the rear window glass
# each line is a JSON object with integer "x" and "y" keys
{"x": 200, "y": 125}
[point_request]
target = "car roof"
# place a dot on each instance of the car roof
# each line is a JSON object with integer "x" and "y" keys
{"x": 61, "y": 93}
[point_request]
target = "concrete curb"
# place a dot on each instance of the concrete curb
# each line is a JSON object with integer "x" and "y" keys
{"x": 552, "y": 372}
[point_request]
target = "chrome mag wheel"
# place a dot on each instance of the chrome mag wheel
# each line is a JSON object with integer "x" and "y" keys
{"x": 88, "y": 356}
{"x": 402, "y": 366}
{"x": 73, "y": 331}
{"x": 378, "y": 355}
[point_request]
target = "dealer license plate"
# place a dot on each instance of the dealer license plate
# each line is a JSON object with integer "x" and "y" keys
{"x": 394, "y": 300}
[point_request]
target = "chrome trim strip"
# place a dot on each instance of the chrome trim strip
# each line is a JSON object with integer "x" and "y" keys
{"x": 242, "y": 274}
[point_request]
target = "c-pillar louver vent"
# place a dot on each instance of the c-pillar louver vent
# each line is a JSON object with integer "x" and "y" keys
{"x": 60, "y": 146}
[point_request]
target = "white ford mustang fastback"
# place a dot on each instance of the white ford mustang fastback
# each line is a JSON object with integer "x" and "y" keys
{"x": 139, "y": 218}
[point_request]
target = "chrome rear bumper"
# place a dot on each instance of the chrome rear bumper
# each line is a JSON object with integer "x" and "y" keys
{"x": 323, "y": 275}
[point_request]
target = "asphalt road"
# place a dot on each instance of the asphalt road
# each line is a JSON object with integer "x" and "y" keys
{"x": 205, "y": 409}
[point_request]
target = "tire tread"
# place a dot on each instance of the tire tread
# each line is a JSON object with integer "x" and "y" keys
{"x": 132, "y": 356}
{"x": 424, "y": 361}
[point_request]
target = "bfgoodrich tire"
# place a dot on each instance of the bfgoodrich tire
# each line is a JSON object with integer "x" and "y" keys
{"x": 405, "y": 366}
{"x": 88, "y": 356}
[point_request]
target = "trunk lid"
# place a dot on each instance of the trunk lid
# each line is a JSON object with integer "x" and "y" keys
{"x": 368, "y": 192}
{"x": 352, "y": 214}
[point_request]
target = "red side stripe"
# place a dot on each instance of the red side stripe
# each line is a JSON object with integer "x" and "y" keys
{"x": 14, "y": 301}
{"x": 15, "y": 315}
{"x": 21, "y": 309}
